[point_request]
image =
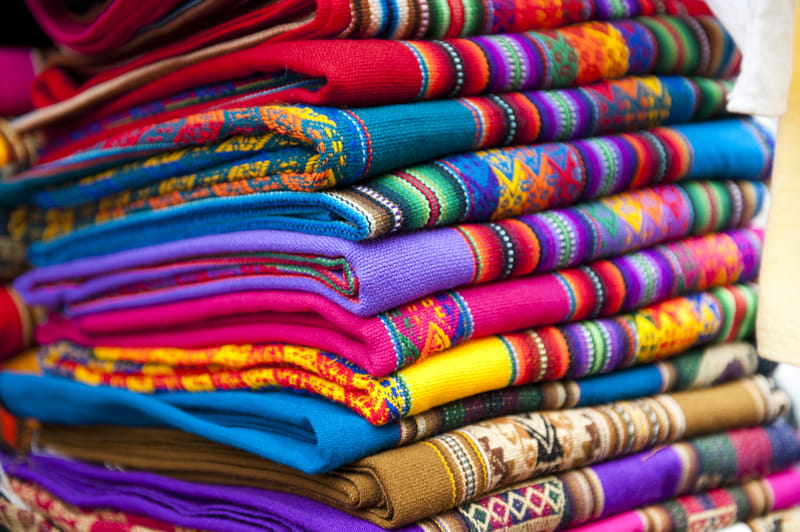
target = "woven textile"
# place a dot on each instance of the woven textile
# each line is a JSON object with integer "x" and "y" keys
{"x": 588, "y": 494}
{"x": 477, "y": 186}
{"x": 315, "y": 435}
{"x": 50, "y": 513}
{"x": 465, "y": 464}
{"x": 16, "y": 323}
{"x": 305, "y": 148}
{"x": 495, "y": 362}
{"x": 372, "y": 72}
{"x": 399, "y": 337}
{"x": 373, "y": 276}
{"x": 693, "y": 465}
{"x": 15, "y": 97}
{"x": 711, "y": 510}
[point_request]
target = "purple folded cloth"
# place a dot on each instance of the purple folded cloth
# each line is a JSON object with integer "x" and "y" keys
{"x": 368, "y": 277}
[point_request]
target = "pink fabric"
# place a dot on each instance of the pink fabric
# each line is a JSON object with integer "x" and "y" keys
{"x": 112, "y": 27}
{"x": 16, "y": 65}
{"x": 786, "y": 489}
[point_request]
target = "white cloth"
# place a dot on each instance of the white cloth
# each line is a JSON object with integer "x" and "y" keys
{"x": 763, "y": 31}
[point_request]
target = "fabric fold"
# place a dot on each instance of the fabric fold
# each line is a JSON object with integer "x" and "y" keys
{"x": 491, "y": 363}
{"x": 355, "y": 275}
{"x": 313, "y": 435}
{"x": 476, "y": 186}
{"x": 396, "y": 338}
{"x": 304, "y": 148}
{"x": 375, "y": 72}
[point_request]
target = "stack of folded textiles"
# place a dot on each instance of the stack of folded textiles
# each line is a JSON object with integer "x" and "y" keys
{"x": 500, "y": 279}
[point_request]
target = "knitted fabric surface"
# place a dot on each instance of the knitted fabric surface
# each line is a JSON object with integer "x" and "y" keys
{"x": 306, "y": 148}
{"x": 693, "y": 465}
{"x": 588, "y": 494}
{"x": 494, "y": 362}
{"x": 399, "y": 337}
{"x": 711, "y": 510}
{"x": 314, "y": 435}
{"x": 373, "y": 71}
{"x": 477, "y": 459}
{"x": 373, "y": 276}
{"x": 476, "y": 186}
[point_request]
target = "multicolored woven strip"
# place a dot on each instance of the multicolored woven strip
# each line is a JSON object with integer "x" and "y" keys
{"x": 356, "y": 274}
{"x": 476, "y": 186}
{"x": 304, "y": 148}
{"x": 711, "y": 510}
{"x": 397, "y": 338}
{"x": 565, "y": 500}
{"x": 550, "y": 353}
{"x": 376, "y": 72}
{"x": 304, "y": 431}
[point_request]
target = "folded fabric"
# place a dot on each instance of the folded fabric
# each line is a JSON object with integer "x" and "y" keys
{"x": 693, "y": 465}
{"x": 396, "y": 338}
{"x": 588, "y": 494}
{"x": 374, "y": 71}
{"x": 305, "y": 148}
{"x": 46, "y": 512}
{"x": 495, "y": 362}
{"x": 475, "y": 460}
{"x": 711, "y": 510}
{"x": 475, "y": 186}
{"x": 100, "y": 27}
{"x": 314, "y": 435}
{"x": 772, "y": 522}
{"x": 373, "y": 276}
{"x": 345, "y": 19}
{"x": 15, "y": 90}
{"x": 16, "y": 323}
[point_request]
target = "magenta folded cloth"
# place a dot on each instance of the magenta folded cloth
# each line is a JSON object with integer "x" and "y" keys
{"x": 367, "y": 277}
{"x": 396, "y": 338}
{"x": 17, "y": 65}
{"x": 100, "y": 29}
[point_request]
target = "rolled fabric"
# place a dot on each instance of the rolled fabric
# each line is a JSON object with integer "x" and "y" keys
{"x": 570, "y": 351}
{"x": 711, "y": 510}
{"x": 471, "y": 187}
{"x": 355, "y": 275}
{"x": 315, "y": 435}
{"x": 373, "y": 72}
{"x": 318, "y": 147}
{"x": 396, "y": 338}
{"x": 475, "y": 460}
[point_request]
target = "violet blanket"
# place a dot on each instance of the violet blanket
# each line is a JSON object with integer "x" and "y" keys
{"x": 396, "y": 338}
{"x": 369, "y": 277}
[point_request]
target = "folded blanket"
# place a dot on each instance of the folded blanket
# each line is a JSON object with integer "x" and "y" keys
{"x": 574, "y": 497}
{"x": 16, "y": 323}
{"x": 372, "y": 72}
{"x": 314, "y": 435}
{"x": 15, "y": 90}
{"x": 475, "y": 186}
{"x": 588, "y": 494}
{"x": 711, "y": 510}
{"x": 495, "y": 362}
{"x": 305, "y": 148}
{"x": 396, "y": 338}
{"x": 475, "y": 460}
{"x": 372, "y": 276}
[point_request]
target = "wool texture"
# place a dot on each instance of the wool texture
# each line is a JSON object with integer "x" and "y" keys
{"x": 495, "y": 362}
{"x": 315, "y": 435}
{"x": 376, "y": 275}
{"x": 476, "y": 186}
{"x": 394, "y": 339}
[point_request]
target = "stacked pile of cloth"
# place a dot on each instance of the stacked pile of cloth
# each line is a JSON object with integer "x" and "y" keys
{"x": 358, "y": 265}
